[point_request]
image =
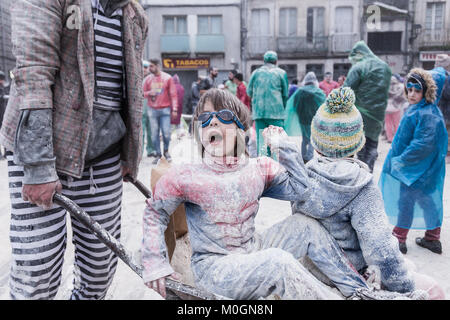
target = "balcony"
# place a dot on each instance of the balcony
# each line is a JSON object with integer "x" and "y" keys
{"x": 210, "y": 43}
{"x": 438, "y": 39}
{"x": 290, "y": 46}
{"x": 258, "y": 45}
{"x": 175, "y": 43}
{"x": 343, "y": 42}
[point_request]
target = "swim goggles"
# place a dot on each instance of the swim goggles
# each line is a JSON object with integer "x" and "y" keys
{"x": 225, "y": 116}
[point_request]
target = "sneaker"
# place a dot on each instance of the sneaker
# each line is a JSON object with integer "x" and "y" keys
{"x": 432, "y": 245}
{"x": 371, "y": 294}
{"x": 167, "y": 156}
{"x": 402, "y": 247}
{"x": 152, "y": 154}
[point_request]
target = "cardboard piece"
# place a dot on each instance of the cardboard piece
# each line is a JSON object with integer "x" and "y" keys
{"x": 177, "y": 226}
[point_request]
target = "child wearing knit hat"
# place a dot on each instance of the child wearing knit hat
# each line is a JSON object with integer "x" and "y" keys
{"x": 345, "y": 198}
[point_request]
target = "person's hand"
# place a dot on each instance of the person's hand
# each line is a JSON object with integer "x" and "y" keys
{"x": 159, "y": 285}
{"x": 273, "y": 135}
{"x": 41, "y": 194}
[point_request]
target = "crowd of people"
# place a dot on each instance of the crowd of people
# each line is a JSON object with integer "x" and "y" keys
{"x": 78, "y": 132}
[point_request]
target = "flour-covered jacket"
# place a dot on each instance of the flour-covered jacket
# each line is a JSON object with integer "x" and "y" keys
{"x": 221, "y": 203}
{"x": 348, "y": 203}
{"x": 53, "y": 42}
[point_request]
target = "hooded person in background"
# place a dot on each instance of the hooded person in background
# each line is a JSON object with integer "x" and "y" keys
{"x": 72, "y": 126}
{"x": 443, "y": 61}
{"x": 370, "y": 79}
{"x": 300, "y": 110}
{"x": 268, "y": 88}
{"x": 412, "y": 178}
{"x": 397, "y": 103}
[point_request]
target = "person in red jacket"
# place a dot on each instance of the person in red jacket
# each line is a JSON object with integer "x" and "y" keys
{"x": 161, "y": 92}
{"x": 328, "y": 84}
{"x": 241, "y": 90}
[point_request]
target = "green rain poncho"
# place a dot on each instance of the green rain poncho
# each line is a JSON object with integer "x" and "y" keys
{"x": 268, "y": 88}
{"x": 302, "y": 106}
{"x": 370, "y": 79}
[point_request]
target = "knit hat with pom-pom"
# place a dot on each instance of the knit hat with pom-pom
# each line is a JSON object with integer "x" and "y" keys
{"x": 337, "y": 128}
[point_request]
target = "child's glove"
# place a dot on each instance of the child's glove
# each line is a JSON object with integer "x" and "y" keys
{"x": 273, "y": 136}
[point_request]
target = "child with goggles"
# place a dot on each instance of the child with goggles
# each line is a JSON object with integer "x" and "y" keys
{"x": 412, "y": 179}
{"x": 221, "y": 195}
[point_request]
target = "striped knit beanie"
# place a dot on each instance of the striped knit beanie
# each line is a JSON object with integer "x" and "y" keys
{"x": 337, "y": 128}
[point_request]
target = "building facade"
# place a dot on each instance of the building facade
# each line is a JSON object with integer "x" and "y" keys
{"x": 432, "y": 31}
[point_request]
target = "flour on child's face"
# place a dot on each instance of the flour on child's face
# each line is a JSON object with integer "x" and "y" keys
{"x": 218, "y": 139}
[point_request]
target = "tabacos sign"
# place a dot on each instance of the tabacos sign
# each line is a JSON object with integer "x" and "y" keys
{"x": 185, "y": 63}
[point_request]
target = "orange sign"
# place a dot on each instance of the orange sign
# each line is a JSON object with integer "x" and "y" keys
{"x": 185, "y": 63}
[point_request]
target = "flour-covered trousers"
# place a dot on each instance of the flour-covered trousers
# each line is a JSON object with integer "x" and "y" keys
{"x": 38, "y": 237}
{"x": 273, "y": 266}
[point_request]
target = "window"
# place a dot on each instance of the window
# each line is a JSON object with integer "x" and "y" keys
{"x": 434, "y": 22}
{"x": 174, "y": 25}
{"x": 340, "y": 69}
{"x": 291, "y": 71}
{"x": 209, "y": 25}
{"x": 385, "y": 41}
{"x": 260, "y": 24}
{"x": 288, "y": 22}
{"x": 254, "y": 67}
{"x": 315, "y": 23}
{"x": 343, "y": 20}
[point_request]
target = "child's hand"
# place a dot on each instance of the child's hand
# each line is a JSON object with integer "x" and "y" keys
{"x": 273, "y": 135}
{"x": 159, "y": 285}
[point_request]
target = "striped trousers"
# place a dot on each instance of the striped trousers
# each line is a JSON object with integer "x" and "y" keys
{"x": 38, "y": 237}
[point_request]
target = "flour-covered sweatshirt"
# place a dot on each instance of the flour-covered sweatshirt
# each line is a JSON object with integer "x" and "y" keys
{"x": 348, "y": 203}
{"x": 221, "y": 203}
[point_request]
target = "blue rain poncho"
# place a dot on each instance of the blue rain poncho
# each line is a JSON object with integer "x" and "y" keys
{"x": 412, "y": 178}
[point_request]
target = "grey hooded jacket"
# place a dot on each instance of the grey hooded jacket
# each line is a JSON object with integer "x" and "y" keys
{"x": 348, "y": 203}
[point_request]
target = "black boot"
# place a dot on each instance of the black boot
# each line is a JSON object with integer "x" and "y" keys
{"x": 432, "y": 245}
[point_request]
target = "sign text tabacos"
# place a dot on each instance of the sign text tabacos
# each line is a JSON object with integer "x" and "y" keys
{"x": 186, "y": 63}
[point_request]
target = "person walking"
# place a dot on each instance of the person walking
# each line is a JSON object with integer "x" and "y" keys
{"x": 72, "y": 126}
{"x": 268, "y": 89}
{"x": 161, "y": 93}
{"x": 300, "y": 110}
{"x": 212, "y": 77}
{"x": 397, "y": 103}
{"x": 370, "y": 79}
{"x": 412, "y": 178}
{"x": 328, "y": 84}
{"x": 146, "y": 131}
